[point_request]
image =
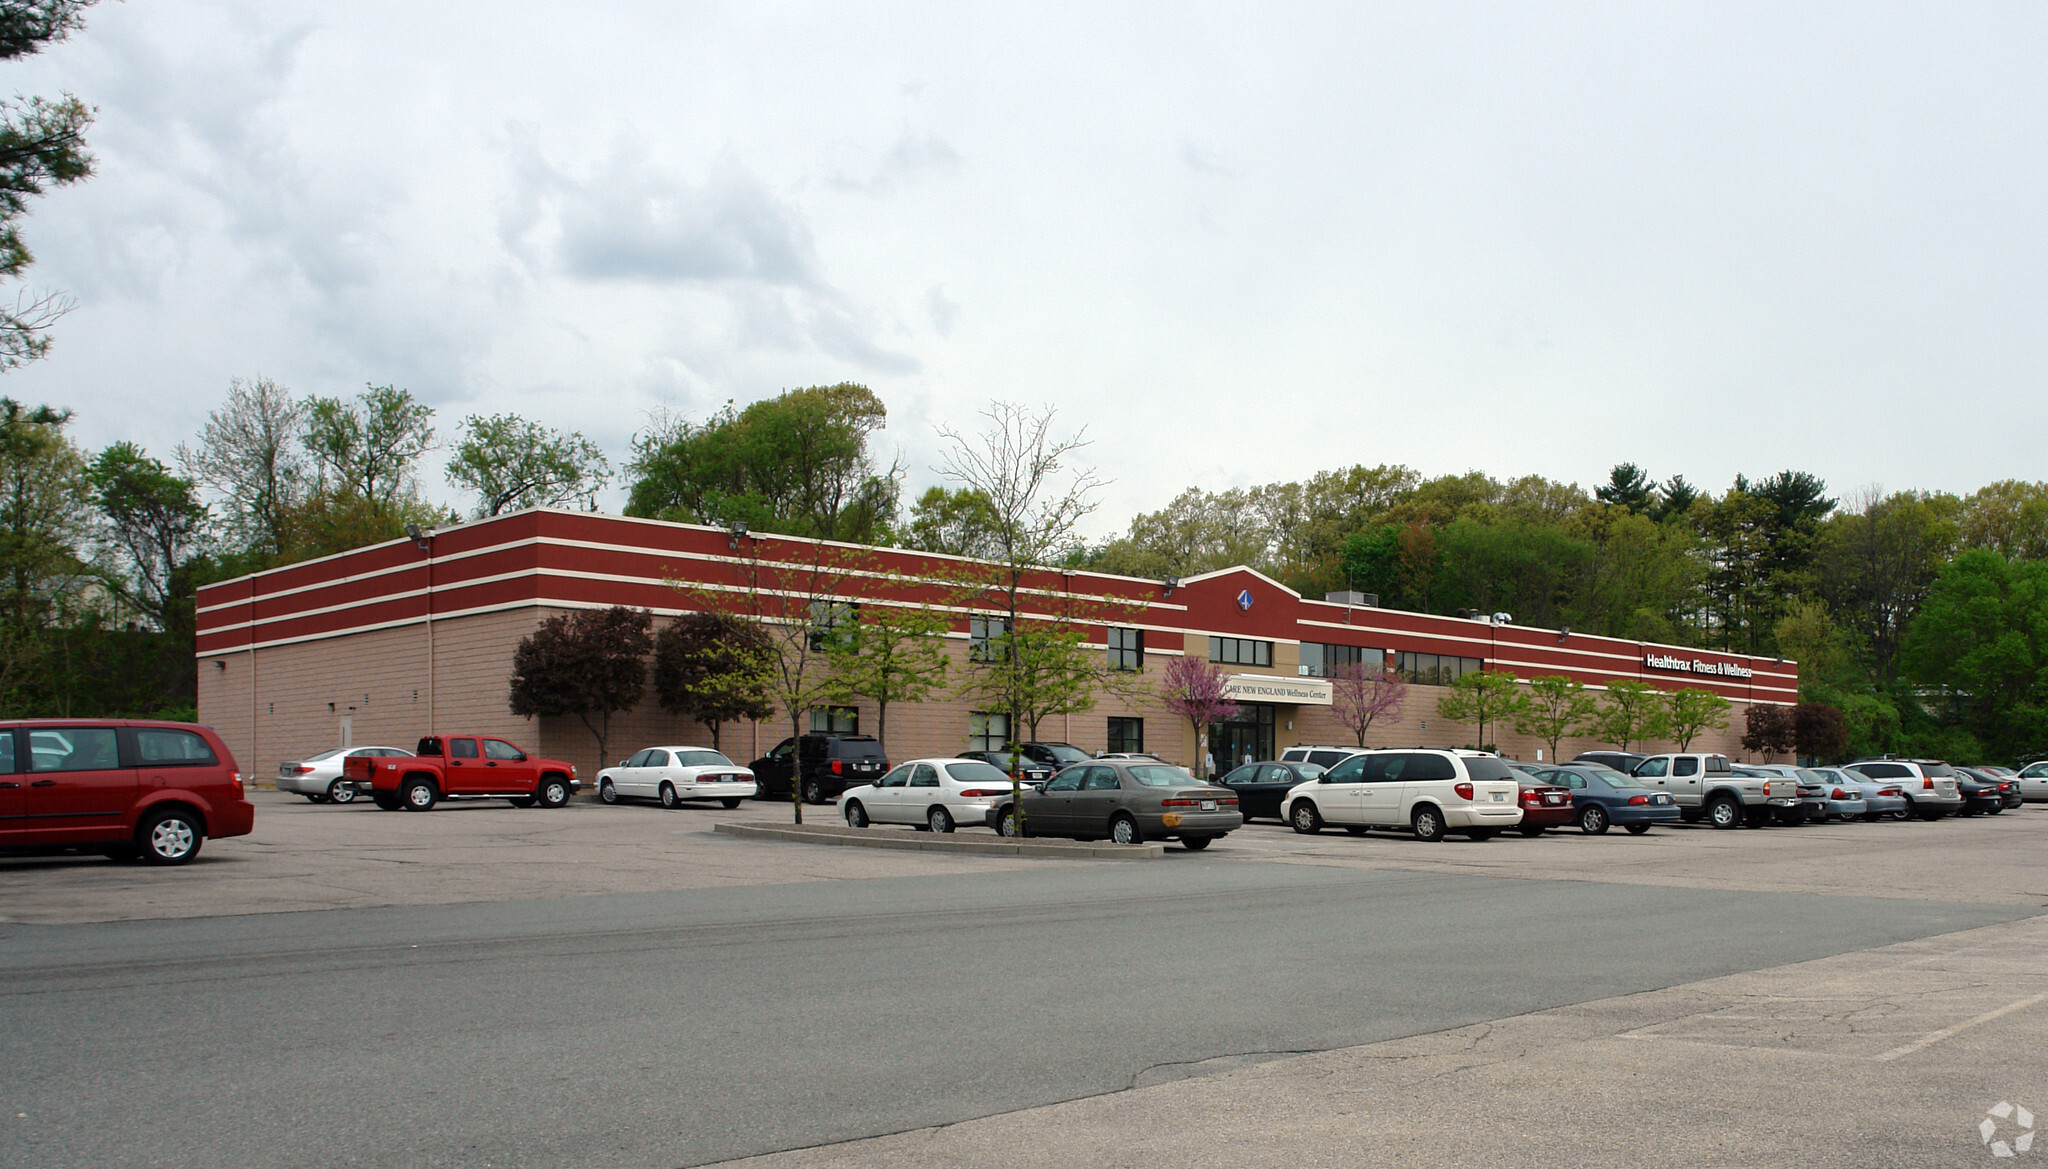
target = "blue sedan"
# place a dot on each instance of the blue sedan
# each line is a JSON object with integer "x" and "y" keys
{"x": 1881, "y": 797}
{"x": 1602, "y": 796}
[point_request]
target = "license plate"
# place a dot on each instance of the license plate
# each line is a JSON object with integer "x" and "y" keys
{"x": 1208, "y": 805}
{"x": 1499, "y": 796}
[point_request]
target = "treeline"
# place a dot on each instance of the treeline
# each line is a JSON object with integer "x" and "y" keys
{"x": 102, "y": 553}
{"x": 1922, "y": 616}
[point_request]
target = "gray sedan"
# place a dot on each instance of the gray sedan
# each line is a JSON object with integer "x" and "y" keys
{"x": 1125, "y": 801}
{"x": 318, "y": 777}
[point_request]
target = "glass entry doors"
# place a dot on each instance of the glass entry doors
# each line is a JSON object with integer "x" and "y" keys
{"x": 1246, "y": 738}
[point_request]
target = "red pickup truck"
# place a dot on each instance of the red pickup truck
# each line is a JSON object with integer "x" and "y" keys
{"x": 463, "y": 767}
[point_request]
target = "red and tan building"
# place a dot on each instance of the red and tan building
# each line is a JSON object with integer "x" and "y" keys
{"x": 382, "y": 644}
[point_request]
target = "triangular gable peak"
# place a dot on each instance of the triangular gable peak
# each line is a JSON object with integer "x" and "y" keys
{"x": 1240, "y": 602}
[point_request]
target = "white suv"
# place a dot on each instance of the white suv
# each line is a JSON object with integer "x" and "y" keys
{"x": 1929, "y": 785}
{"x": 1429, "y": 792}
{"x": 1324, "y": 757}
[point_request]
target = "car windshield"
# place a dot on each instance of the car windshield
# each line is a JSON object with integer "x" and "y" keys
{"x": 701, "y": 759}
{"x": 1063, "y": 754}
{"x": 972, "y": 772}
{"x": 1159, "y": 775}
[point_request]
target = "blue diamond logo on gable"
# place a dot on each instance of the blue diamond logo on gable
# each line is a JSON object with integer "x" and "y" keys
{"x": 1244, "y": 600}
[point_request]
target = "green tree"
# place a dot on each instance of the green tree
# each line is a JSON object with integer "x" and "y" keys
{"x": 797, "y": 464}
{"x": 1554, "y": 708}
{"x": 1482, "y": 698}
{"x": 370, "y": 448}
{"x": 1980, "y": 642}
{"x": 509, "y": 463}
{"x": 590, "y": 665}
{"x": 45, "y": 585}
{"x": 153, "y": 522}
{"x": 1877, "y": 562}
{"x": 1628, "y": 486}
{"x": 1634, "y": 712}
{"x": 1674, "y": 499}
{"x": 1198, "y": 532}
{"x": 1691, "y": 711}
{"x": 2009, "y": 517}
{"x": 713, "y": 667}
{"x": 889, "y": 654}
{"x": 42, "y": 145}
{"x": 956, "y": 522}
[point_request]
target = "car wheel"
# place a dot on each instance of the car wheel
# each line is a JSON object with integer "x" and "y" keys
{"x": 341, "y": 791}
{"x": 1723, "y": 812}
{"x": 814, "y": 792}
{"x": 554, "y": 791}
{"x": 1593, "y": 819}
{"x": 606, "y": 793}
{"x": 169, "y": 837}
{"x": 1480, "y": 835}
{"x": 939, "y": 819}
{"x": 1691, "y": 815}
{"x": 386, "y": 803}
{"x": 856, "y": 816}
{"x": 1305, "y": 819}
{"x": 1124, "y": 830}
{"x": 314, "y": 797}
{"x": 1007, "y": 826}
{"x": 419, "y": 796}
{"x": 669, "y": 799}
{"x": 1428, "y": 824}
{"x": 1532, "y": 830}
{"x": 1638, "y": 829}
{"x": 1195, "y": 843}
{"x": 729, "y": 802}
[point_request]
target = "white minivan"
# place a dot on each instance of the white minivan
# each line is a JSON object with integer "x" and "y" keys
{"x": 1428, "y": 792}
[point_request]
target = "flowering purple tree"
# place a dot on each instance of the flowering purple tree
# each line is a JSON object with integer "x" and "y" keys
{"x": 1195, "y": 690}
{"x": 1361, "y": 695}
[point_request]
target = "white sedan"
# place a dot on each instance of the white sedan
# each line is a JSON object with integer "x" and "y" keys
{"x": 932, "y": 793}
{"x": 318, "y": 777}
{"x": 675, "y": 774}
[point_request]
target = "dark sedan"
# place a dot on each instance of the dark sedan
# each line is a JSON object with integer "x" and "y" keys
{"x": 1125, "y": 802}
{"x": 1029, "y": 771}
{"x": 1602, "y": 796}
{"x": 1544, "y": 804}
{"x": 1980, "y": 792}
{"x": 1261, "y": 786}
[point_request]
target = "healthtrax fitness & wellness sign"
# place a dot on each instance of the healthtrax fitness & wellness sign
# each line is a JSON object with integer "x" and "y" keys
{"x": 1694, "y": 666}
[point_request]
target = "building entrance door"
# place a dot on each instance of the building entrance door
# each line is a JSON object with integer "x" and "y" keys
{"x": 1247, "y": 737}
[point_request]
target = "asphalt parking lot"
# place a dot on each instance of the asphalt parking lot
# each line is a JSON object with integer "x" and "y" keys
{"x": 623, "y": 986}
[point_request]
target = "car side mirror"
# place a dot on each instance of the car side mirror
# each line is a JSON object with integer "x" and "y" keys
{"x": 1322, "y": 779}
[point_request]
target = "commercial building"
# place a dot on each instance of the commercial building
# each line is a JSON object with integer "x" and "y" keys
{"x": 382, "y": 644}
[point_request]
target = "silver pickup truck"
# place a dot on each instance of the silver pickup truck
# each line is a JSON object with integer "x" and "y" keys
{"x": 1704, "y": 784}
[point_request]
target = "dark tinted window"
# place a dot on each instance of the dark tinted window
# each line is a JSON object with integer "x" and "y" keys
{"x": 857, "y": 748}
{"x": 1430, "y": 767}
{"x": 1245, "y": 774}
{"x": 7, "y": 766}
{"x": 1484, "y": 769}
{"x": 924, "y": 775}
{"x": 1685, "y": 766}
{"x": 1937, "y": 770}
{"x": 462, "y": 748}
{"x": 161, "y": 747}
{"x": 1883, "y": 770}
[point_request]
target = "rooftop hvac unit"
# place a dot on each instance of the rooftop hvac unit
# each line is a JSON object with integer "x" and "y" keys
{"x": 1357, "y": 600}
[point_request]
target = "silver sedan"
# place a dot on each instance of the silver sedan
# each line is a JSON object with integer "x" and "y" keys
{"x": 1880, "y": 797}
{"x": 318, "y": 777}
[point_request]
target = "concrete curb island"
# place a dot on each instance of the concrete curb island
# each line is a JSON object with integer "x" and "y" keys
{"x": 934, "y": 842}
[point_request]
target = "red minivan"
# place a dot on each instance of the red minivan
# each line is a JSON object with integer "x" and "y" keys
{"x": 119, "y": 786}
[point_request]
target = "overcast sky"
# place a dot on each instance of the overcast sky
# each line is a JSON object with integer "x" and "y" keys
{"x": 1238, "y": 244}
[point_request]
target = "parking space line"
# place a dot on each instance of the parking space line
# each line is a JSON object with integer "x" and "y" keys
{"x": 1934, "y": 1037}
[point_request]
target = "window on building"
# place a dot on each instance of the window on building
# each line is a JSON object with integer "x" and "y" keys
{"x": 987, "y": 732}
{"x": 1240, "y": 651}
{"x": 1435, "y": 669}
{"x": 1126, "y": 649}
{"x": 827, "y": 616}
{"x": 1126, "y": 734}
{"x": 835, "y": 720}
{"x": 1320, "y": 660}
{"x": 987, "y": 639}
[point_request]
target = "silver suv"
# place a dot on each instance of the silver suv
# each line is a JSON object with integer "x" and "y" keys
{"x": 1323, "y": 757}
{"x": 1929, "y": 785}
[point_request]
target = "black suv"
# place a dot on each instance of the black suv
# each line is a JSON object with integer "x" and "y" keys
{"x": 825, "y": 765}
{"x": 1054, "y": 755}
